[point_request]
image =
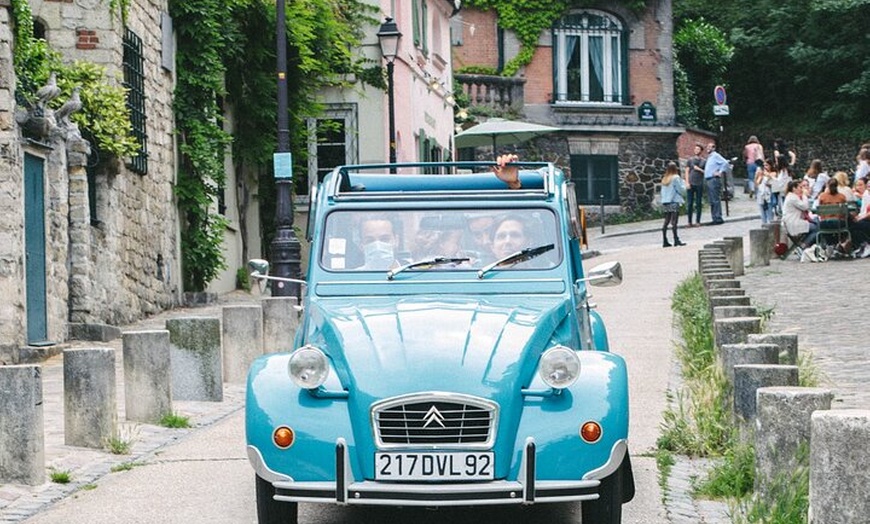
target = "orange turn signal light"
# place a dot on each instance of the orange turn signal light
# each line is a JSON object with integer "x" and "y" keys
{"x": 283, "y": 437}
{"x": 590, "y": 431}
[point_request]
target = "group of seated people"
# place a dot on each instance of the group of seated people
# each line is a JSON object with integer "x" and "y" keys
{"x": 802, "y": 218}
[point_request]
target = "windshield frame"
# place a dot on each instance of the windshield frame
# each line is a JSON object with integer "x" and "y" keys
{"x": 411, "y": 216}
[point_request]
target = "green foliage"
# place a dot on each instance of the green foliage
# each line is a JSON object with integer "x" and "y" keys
{"x": 204, "y": 36}
{"x": 697, "y": 421}
{"x": 477, "y": 70}
{"x": 528, "y": 18}
{"x": 786, "y": 500}
{"x": 124, "y": 466}
{"x": 60, "y": 476}
{"x": 104, "y": 110}
{"x": 104, "y": 114}
{"x": 174, "y": 420}
{"x": 243, "y": 279}
{"x": 704, "y": 55}
{"x": 797, "y": 65}
{"x": 733, "y": 476}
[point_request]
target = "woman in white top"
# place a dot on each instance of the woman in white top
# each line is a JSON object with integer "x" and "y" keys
{"x": 795, "y": 213}
{"x": 863, "y": 168}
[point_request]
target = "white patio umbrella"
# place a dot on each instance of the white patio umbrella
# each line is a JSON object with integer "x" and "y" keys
{"x": 497, "y": 130}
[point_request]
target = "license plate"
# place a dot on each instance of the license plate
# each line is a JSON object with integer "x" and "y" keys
{"x": 434, "y": 466}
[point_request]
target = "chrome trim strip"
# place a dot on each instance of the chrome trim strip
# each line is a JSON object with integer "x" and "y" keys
{"x": 386, "y": 282}
{"x": 435, "y": 396}
{"x": 496, "y": 492}
{"x": 263, "y": 471}
{"x": 617, "y": 453}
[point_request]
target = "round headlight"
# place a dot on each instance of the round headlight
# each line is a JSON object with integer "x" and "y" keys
{"x": 308, "y": 367}
{"x": 560, "y": 367}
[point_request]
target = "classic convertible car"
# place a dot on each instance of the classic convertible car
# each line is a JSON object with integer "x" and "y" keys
{"x": 447, "y": 355}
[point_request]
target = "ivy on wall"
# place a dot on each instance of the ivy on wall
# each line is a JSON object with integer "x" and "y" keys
{"x": 203, "y": 36}
{"x": 528, "y": 18}
{"x": 104, "y": 114}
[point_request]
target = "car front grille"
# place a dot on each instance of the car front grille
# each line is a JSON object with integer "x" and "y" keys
{"x": 448, "y": 421}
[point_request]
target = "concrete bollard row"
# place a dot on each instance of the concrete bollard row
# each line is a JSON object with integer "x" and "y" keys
{"x": 787, "y": 343}
{"x": 748, "y": 378}
{"x": 147, "y": 375}
{"x": 782, "y": 429}
{"x": 731, "y": 355}
{"x": 734, "y": 330}
{"x": 735, "y": 251}
{"x": 840, "y": 467}
{"x": 89, "y": 393}
{"x": 242, "y": 340}
{"x": 195, "y": 349}
{"x": 734, "y": 311}
{"x": 280, "y": 322}
{"x": 735, "y": 300}
{"x": 22, "y": 436}
{"x": 726, "y": 292}
{"x": 760, "y": 242}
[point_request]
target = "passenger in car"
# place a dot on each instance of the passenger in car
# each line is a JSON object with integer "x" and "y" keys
{"x": 379, "y": 242}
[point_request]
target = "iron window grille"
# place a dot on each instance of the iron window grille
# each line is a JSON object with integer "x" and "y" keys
{"x": 134, "y": 81}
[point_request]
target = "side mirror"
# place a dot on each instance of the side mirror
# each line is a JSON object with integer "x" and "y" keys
{"x": 605, "y": 275}
{"x": 258, "y": 267}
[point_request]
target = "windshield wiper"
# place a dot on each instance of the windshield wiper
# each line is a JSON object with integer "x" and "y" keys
{"x": 520, "y": 256}
{"x": 426, "y": 263}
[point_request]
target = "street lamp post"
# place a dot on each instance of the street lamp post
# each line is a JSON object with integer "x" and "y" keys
{"x": 388, "y": 37}
{"x": 285, "y": 247}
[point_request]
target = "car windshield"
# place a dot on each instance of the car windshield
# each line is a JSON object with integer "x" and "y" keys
{"x": 441, "y": 240}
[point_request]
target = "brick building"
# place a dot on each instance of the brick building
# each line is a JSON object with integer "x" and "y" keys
{"x": 602, "y": 75}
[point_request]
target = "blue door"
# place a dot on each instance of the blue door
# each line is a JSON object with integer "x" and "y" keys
{"x": 34, "y": 249}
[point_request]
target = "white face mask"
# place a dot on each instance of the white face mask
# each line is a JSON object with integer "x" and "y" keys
{"x": 379, "y": 255}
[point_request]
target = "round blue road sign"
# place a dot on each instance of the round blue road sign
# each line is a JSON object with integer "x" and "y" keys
{"x": 719, "y": 95}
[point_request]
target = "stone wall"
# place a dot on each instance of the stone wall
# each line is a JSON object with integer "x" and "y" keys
{"x": 132, "y": 244}
{"x": 12, "y": 313}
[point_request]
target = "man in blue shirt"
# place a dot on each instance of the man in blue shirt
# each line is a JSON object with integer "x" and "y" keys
{"x": 714, "y": 174}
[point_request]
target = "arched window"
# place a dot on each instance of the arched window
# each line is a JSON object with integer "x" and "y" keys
{"x": 589, "y": 58}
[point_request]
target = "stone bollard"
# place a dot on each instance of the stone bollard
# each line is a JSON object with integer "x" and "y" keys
{"x": 787, "y": 342}
{"x": 195, "y": 350}
{"x": 280, "y": 322}
{"x": 147, "y": 375}
{"x": 722, "y": 284}
{"x": 782, "y": 430}
{"x": 90, "y": 408}
{"x": 735, "y": 300}
{"x": 242, "y": 340}
{"x": 731, "y": 355}
{"x": 22, "y": 435}
{"x": 748, "y": 378}
{"x": 737, "y": 262}
{"x": 734, "y": 330}
{"x": 726, "y": 292}
{"x": 759, "y": 247}
{"x": 840, "y": 467}
{"x": 734, "y": 311}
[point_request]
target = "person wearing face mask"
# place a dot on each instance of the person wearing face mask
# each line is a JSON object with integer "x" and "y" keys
{"x": 379, "y": 242}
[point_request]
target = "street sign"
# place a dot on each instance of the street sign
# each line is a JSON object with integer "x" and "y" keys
{"x": 283, "y": 165}
{"x": 721, "y": 110}
{"x": 719, "y": 95}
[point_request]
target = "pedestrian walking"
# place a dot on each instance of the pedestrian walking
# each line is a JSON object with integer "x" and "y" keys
{"x": 673, "y": 196}
{"x": 763, "y": 177}
{"x": 752, "y": 151}
{"x": 715, "y": 170}
{"x": 695, "y": 184}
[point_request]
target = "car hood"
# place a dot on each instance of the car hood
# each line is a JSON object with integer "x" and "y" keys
{"x": 391, "y": 346}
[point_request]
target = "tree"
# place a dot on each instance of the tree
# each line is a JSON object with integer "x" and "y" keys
{"x": 704, "y": 55}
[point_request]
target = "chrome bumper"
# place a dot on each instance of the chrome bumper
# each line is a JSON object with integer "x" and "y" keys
{"x": 527, "y": 489}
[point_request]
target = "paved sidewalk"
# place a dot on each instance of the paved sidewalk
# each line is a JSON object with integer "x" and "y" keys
{"x": 86, "y": 465}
